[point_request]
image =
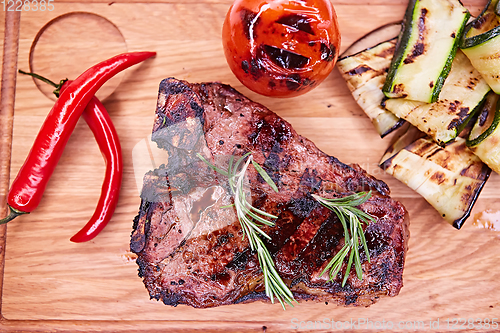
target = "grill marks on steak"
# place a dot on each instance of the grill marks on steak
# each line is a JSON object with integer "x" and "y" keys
{"x": 190, "y": 248}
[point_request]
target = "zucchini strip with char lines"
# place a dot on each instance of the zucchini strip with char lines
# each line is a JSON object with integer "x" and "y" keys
{"x": 365, "y": 74}
{"x": 481, "y": 44}
{"x": 432, "y": 30}
{"x": 449, "y": 178}
{"x": 461, "y": 96}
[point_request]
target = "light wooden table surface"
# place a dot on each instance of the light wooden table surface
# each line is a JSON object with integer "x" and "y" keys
{"x": 50, "y": 283}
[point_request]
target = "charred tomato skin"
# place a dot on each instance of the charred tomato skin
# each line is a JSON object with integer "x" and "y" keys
{"x": 281, "y": 48}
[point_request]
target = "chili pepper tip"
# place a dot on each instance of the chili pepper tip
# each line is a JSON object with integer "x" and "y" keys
{"x": 12, "y": 215}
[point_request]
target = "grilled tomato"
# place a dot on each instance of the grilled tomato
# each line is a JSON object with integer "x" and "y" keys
{"x": 281, "y": 48}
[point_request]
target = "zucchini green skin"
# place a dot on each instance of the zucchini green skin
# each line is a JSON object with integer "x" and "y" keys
{"x": 482, "y": 48}
{"x": 467, "y": 42}
{"x": 403, "y": 41}
{"x": 411, "y": 48}
{"x": 477, "y": 141}
{"x": 458, "y": 223}
{"x": 487, "y": 144}
{"x": 473, "y": 142}
{"x": 446, "y": 70}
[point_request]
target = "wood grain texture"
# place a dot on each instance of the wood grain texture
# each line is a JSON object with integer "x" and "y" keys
{"x": 51, "y": 284}
{"x": 7, "y": 99}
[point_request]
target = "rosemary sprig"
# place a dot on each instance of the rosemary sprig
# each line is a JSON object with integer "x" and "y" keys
{"x": 346, "y": 211}
{"x": 251, "y": 220}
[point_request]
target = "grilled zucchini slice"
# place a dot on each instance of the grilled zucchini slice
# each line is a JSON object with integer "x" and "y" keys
{"x": 461, "y": 96}
{"x": 432, "y": 30}
{"x": 481, "y": 44}
{"x": 449, "y": 178}
{"x": 484, "y": 138}
{"x": 365, "y": 74}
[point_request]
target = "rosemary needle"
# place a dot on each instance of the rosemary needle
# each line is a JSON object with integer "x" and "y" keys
{"x": 251, "y": 219}
{"x": 352, "y": 219}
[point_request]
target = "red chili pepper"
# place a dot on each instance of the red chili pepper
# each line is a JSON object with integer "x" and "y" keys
{"x": 105, "y": 134}
{"x": 102, "y": 127}
{"x": 28, "y": 187}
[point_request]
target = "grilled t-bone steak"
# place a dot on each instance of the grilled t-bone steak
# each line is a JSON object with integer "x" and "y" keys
{"x": 189, "y": 243}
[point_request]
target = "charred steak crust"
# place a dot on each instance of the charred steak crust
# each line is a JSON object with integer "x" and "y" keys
{"x": 190, "y": 250}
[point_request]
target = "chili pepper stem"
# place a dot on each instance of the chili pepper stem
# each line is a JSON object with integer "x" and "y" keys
{"x": 12, "y": 215}
{"x": 58, "y": 87}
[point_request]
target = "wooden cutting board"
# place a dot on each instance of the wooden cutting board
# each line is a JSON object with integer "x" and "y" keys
{"x": 50, "y": 283}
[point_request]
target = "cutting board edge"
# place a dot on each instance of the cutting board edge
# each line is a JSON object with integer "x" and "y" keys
{"x": 7, "y": 98}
